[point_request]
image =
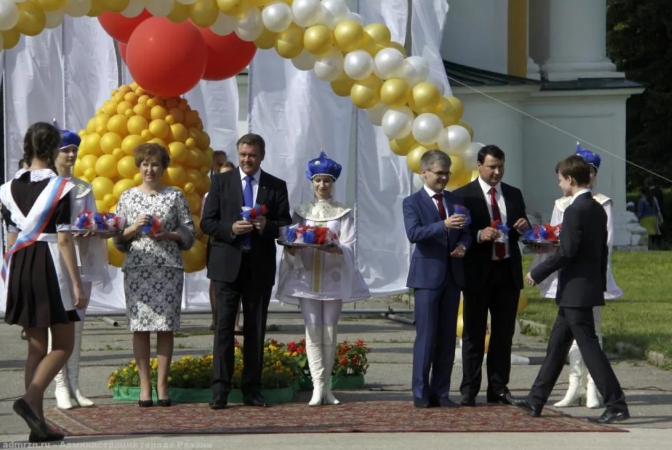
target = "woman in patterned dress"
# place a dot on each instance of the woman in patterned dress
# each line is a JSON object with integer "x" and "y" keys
{"x": 321, "y": 280}
{"x": 36, "y": 204}
{"x": 153, "y": 268}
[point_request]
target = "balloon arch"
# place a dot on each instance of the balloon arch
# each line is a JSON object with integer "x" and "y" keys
{"x": 170, "y": 45}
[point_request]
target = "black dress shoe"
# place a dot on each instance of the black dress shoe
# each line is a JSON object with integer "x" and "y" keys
{"x": 611, "y": 416}
{"x": 256, "y": 400}
{"x": 164, "y": 403}
{"x": 37, "y": 426}
{"x": 145, "y": 403}
{"x": 421, "y": 403}
{"x": 533, "y": 409}
{"x": 52, "y": 436}
{"x": 491, "y": 397}
{"x": 217, "y": 404}
{"x": 468, "y": 401}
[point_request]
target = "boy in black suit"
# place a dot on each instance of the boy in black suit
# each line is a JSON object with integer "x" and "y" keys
{"x": 582, "y": 257}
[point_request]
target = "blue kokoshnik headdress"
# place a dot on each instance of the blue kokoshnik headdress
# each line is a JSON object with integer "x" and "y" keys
{"x": 591, "y": 158}
{"x": 68, "y": 137}
{"x": 323, "y": 166}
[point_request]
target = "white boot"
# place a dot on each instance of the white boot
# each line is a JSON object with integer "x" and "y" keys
{"x": 62, "y": 393}
{"x": 592, "y": 394}
{"x": 72, "y": 365}
{"x": 315, "y": 362}
{"x": 577, "y": 389}
{"x": 328, "y": 350}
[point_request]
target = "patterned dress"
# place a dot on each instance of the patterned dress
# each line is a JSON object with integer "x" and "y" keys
{"x": 153, "y": 270}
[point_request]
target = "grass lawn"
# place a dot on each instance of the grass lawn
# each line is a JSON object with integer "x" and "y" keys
{"x": 642, "y": 317}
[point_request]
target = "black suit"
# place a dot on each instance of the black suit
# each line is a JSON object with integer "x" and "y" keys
{"x": 582, "y": 259}
{"x": 490, "y": 285}
{"x": 236, "y": 273}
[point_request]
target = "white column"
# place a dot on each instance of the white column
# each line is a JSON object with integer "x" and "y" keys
{"x": 577, "y": 41}
{"x": 533, "y": 69}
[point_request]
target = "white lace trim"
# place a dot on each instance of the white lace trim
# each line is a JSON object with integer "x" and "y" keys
{"x": 37, "y": 175}
{"x": 564, "y": 202}
{"x": 322, "y": 210}
{"x": 63, "y": 227}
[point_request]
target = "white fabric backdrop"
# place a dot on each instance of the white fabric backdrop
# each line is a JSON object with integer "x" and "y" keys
{"x": 427, "y": 22}
{"x": 383, "y": 180}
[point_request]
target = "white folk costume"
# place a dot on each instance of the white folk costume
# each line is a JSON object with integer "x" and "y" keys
{"x": 321, "y": 281}
{"x": 581, "y": 384}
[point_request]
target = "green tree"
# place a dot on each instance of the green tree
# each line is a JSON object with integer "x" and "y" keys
{"x": 639, "y": 40}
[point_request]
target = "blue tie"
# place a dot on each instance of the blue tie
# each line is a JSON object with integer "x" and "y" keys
{"x": 248, "y": 197}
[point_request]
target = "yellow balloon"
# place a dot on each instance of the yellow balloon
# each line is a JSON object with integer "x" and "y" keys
{"x": 413, "y": 158}
{"x": 118, "y": 154}
{"x": 159, "y": 128}
{"x": 457, "y": 105}
{"x": 91, "y": 144}
{"x": 487, "y": 342}
{"x": 110, "y": 107}
{"x": 115, "y": 257}
{"x": 127, "y": 168}
{"x": 366, "y": 93}
{"x": 106, "y": 166}
{"x": 204, "y": 13}
{"x": 267, "y": 39}
{"x": 349, "y": 35}
{"x": 158, "y": 111}
{"x": 460, "y": 324}
{"x": 461, "y": 178}
{"x": 172, "y": 103}
{"x": 469, "y": 128}
{"x": 448, "y": 112}
{"x": 180, "y": 12}
{"x": 290, "y": 42}
{"x": 31, "y": 19}
{"x": 197, "y": 223}
{"x": 117, "y": 124}
{"x": 460, "y": 308}
{"x": 146, "y": 135}
{"x": 78, "y": 169}
{"x": 231, "y": 7}
{"x": 262, "y": 2}
{"x": 122, "y": 186}
{"x": 137, "y": 124}
{"x": 193, "y": 159}
{"x": 318, "y": 39}
{"x": 177, "y": 114}
{"x": 342, "y": 85}
{"x": 457, "y": 167}
{"x": 474, "y": 174}
{"x": 176, "y": 175}
{"x": 178, "y": 151}
{"x": 522, "y": 302}
{"x": 379, "y": 37}
{"x": 425, "y": 98}
{"x": 158, "y": 141}
{"x": 10, "y": 38}
{"x": 131, "y": 97}
{"x": 124, "y": 106}
{"x": 130, "y": 142}
{"x": 109, "y": 142}
{"x": 395, "y": 93}
{"x": 51, "y": 5}
{"x": 141, "y": 109}
{"x": 89, "y": 162}
{"x": 190, "y": 143}
{"x": 101, "y": 206}
{"x": 398, "y": 46}
{"x": 109, "y": 200}
{"x": 137, "y": 179}
{"x": 194, "y": 258}
{"x": 189, "y": 187}
{"x": 204, "y": 187}
{"x": 179, "y": 132}
{"x": 194, "y": 202}
{"x": 402, "y": 146}
{"x": 89, "y": 174}
{"x": 116, "y": 6}
{"x": 202, "y": 139}
{"x": 101, "y": 187}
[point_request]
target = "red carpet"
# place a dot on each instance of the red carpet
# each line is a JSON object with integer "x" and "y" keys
{"x": 368, "y": 417}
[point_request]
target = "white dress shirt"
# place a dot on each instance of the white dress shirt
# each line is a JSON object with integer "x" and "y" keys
{"x": 255, "y": 184}
{"x": 431, "y": 194}
{"x": 581, "y": 192}
{"x": 499, "y": 198}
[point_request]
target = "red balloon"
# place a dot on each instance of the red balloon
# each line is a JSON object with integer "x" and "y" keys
{"x": 122, "y": 51}
{"x": 166, "y": 58}
{"x": 120, "y": 27}
{"x": 227, "y": 55}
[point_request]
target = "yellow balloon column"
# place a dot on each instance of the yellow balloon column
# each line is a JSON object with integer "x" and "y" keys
{"x": 132, "y": 117}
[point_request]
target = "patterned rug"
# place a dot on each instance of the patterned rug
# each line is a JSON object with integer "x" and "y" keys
{"x": 368, "y": 417}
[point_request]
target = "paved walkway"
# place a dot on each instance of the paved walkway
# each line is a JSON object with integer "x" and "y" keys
{"x": 648, "y": 389}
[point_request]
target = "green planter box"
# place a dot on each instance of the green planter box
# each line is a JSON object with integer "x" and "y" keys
{"x": 129, "y": 394}
{"x": 345, "y": 383}
{"x": 305, "y": 384}
{"x": 178, "y": 395}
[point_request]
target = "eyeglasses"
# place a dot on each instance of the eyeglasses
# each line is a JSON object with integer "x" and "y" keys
{"x": 441, "y": 174}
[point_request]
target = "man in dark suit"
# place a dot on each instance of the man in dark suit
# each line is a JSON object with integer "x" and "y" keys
{"x": 242, "y": 264}
{"x": 436, "y": 275}
{"x": 582, "y": 260}
{"x": 494, "y": 276}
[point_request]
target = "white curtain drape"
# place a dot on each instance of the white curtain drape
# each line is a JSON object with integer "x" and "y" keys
{"x": 427, "y": 22}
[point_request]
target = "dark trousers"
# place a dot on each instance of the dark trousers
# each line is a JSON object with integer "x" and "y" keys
{"x": 577, "y": 324}
{"x": 434, "y": 348}
{"x": 500, "y": 296}
{"x": 255, "y": 301}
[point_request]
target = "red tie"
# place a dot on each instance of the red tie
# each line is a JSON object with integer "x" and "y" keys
{"x": 442, "y": 209}
{"x": 500, "y": 247}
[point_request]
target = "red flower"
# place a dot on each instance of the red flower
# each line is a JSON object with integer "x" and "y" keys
{"x": 236, "y": 343}
{"x": 354, "y": 358}
{"x": 343, "y": 361}
{"x": 274, "y": 342}
{"x": 291, "y": 347}
{"x": 360, "y": 343}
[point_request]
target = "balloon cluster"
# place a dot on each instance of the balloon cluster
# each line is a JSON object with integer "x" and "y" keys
{"x": 132, "y": 117}
{"x": 189, "y": 40}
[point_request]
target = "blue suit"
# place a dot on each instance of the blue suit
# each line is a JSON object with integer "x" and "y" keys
{"x": 437, "y": 280}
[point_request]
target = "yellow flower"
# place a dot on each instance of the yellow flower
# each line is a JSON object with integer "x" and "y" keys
{"x": 116, "y": 372}
{"x": 170, "y": 379}
{"x": 278, "y": 363}
{"x": 186, "y": 377}
{"x": 112, "y": 379}
{"x": 136, "y": 369}
{"x": 287, "y": 354}
{"x": 109, "y": 386}
{"x": 133, "y": 362}
{"x": 295, "y": 354}
{"x": 125, "y": 371}
{"x": 265, "y": 369}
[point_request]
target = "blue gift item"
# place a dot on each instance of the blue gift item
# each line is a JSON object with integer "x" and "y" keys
{"x": 99, "y": 221}
{"x": 309, "y": 236}
{"x": 84, "y": 220}
{"x": 290, "y": 234}
{"x": 252, "y": 213}
{"x": 153, "y": 226}
{"x": 461, "y": 209}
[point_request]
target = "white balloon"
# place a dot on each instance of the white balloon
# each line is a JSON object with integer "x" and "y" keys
{"x": 160, "y": 8}
{"x": 427, "y": 128}
{"x": 134, "y": 8}
{"x": 327, "y": 19}
{"x": 388, "y": 63}
{"x": 398, "y": 122}
{"x": 77, "y": 8}
{"x": 305, "y": 61}
{"x": 330, "y": 66}
{"x": 377, "y": 113}
{"x": 307, "y": 12}
{"x": 338, "y": 8}
{"x": 470, "y": 155}
{"x": 224, "y": 25}
{"x": 454, "y": 140}
{"x": 2, "y": 44}
{"x": 354, "y": 16}
{"x": 250, "y": 26}
{"x": 9, "y": 15}
{"x": 187, "y": 2}
{"x": 277, "y": 17}
{"x": 358, "y": 64}
{"x": 414, "y": 70}
{"x": 54, "y": 18}
{"x": 418, "y": 181}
